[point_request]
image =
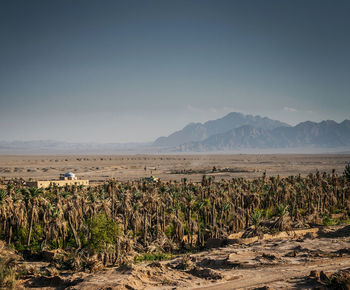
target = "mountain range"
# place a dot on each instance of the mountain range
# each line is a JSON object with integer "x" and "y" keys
{"x": 196, "y": 132}
{"x": 239, "y": 131}
{"x": 233, "y": 132}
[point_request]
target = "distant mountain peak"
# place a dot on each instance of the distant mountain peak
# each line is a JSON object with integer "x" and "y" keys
{"x": 196, "y": 132}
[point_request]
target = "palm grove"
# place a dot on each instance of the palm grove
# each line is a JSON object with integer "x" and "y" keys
{"x": 118, "y": 222}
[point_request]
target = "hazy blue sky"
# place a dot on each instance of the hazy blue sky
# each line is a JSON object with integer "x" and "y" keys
{"x": 118, "y": 71}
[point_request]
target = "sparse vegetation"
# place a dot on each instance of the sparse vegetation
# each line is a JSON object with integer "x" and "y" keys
{"x": 213, "y": 170}
{"x": 7, "y": 273}
{"x": 9, "y": 268}
{"x": 153, "y": 257}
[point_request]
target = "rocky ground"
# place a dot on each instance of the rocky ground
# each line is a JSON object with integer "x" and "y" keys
{"x": 301, "y": 259}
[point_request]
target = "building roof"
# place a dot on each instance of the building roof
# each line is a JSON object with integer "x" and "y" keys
{"x": 69, "y": 174}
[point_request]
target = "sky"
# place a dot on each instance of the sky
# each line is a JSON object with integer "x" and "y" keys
{"x": 131, "y": 71}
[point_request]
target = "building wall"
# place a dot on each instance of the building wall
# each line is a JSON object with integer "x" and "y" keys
{"x": 47, "y": 183}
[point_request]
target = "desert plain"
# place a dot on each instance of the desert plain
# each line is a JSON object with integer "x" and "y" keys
{"x": 98, "y": 168}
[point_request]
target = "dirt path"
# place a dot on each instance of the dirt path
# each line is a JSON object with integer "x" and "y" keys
{"x": 281, "y": 276}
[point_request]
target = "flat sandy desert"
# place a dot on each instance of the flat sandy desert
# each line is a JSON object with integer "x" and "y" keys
{"x": 98, "y": 168}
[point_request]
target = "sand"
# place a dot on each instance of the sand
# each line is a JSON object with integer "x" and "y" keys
{"x": 98, "y": 168}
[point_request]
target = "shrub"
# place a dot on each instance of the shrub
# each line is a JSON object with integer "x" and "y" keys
{"x": 153, "y": 257}
{"x": 256, "y": 217}
{"x": 7, "y": 273}
{"x": 103, "y": 232}
{"x": 282, "y": 209}
{"x": 328, "y": 221}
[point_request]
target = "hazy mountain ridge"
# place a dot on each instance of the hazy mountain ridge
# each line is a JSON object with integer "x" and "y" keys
{"x": 244, "y": 133}
{"x": 196, "y": 132}
{"x": 60, "y": 147}
{"x": 326, "y": 134}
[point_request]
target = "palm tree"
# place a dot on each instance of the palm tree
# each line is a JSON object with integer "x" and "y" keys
{"x": 33, "y": 195}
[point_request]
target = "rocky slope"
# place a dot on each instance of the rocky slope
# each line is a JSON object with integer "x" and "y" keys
{"x": 326, "y": 134}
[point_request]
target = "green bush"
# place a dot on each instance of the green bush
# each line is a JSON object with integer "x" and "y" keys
{"x": 169, "y": 230}
{"x": 328, "y": 221}
{"x": 103, "y": 232}
{"x": 256, "y": 217}
{"x": 153, "y": 257}
{"x": 282, "y": 209}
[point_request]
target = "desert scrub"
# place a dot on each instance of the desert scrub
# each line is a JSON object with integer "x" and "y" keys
{"x": 7, "y": 273}
{"x": 9, "y": 269}
{"x": 153, "y": 257}
{"x": 328, "y": 221}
